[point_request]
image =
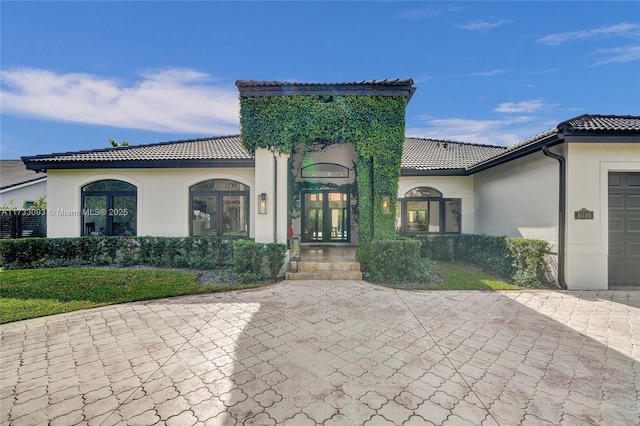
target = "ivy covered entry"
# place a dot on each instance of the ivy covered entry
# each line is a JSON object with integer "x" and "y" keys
{"x": 371, "y": 114}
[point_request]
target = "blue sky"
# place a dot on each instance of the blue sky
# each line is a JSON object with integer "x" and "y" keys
{"x": 75, "y": 74}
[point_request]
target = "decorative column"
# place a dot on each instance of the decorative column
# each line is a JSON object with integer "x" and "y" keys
{"x": 282, "y": 208}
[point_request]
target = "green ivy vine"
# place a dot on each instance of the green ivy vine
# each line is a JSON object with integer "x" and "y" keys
{"x": 374, "y": 124}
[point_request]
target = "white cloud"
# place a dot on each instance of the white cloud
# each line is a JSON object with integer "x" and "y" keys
{"x": 520, "y": 107}
{"x": 428, "y": 12}
{"x": 618, "y": 30}
{"x": 480, "y": 25}
{"x": 486, "y": 73}
{"x": 489, "y": 132}
{"x": 490, "y": 73}
{"x": 619, "y": 54}
{"x": 172, "y": 100}
{"x": 425, "y": 12}
{"x": 547, "y": 71}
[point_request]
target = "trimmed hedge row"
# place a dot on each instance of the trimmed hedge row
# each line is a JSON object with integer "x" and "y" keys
{"x": 246, "y": 256}
{"x": 522, "y": 260}
{"x": 173, "y": 252}
{"x": 394, "y": 262}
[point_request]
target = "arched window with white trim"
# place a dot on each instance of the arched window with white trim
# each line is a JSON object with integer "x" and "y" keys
{"x": 219, "y": 207}
{"x": 424, "y": 210}
{"x": 109, "y": 207}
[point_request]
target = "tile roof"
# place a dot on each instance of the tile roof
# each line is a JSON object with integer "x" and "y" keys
{"x": 14, "y": 173}
{"x": 385, "y": 82}
{"x": 419, "y": 155}
{"x": 216, "y": 148}
{"x": 389, "y": 87}
{"x": 587, "y": 123}
{"x": 603, "y": 123}
{"x": 428, "y": 154}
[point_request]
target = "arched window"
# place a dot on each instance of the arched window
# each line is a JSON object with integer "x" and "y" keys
{"x": 109, "y": 207}
{"x": 423, "y": 191}
{"x": 325, "y": 170}
{"x": 423, "y": 210}
{"x": 219, "y": 207}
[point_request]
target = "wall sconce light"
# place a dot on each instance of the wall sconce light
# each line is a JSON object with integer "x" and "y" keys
{"x": 262, "y": 203}
{"x": 386, "y": 203}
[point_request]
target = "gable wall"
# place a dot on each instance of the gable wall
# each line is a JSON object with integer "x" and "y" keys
{"x": 519, "y": 198}
{"x": 163, "y": 197}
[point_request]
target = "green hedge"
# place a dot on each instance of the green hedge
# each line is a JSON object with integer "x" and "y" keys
{"x": 176, "y": 252}
{"x": 249, "y": 258}
{"x": 522, "y": 260}
{"x": 395, "y": 262}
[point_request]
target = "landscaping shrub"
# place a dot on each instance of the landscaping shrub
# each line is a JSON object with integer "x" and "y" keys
{"x": 529, "y": 260}
{"x": 183, "y": 252}
{"x": 396, "y": 261}
{"x": 247, "y": 257}
{"x": 522, "y": 260}
{"x": 275, "y": 255}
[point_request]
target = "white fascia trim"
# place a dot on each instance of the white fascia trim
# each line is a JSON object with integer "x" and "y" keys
{"x": 22, "y": 185}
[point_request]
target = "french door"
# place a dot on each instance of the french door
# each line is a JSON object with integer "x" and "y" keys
{"x": 325, "y": 216}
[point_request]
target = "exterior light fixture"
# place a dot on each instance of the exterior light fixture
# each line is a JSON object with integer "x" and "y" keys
{"x": 386, "y": 204}
{"x": 262, "y": 203}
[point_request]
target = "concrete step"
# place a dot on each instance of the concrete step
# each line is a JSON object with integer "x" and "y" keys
{"x": 324, "y": 275}
{"x": 327, "y": 266}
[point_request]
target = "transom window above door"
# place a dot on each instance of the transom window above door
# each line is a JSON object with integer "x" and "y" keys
{"x": 219, "y": 207}
{"x": 325, "y": 170}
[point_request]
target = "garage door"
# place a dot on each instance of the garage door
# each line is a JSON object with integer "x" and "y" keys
{"x": 624, "y": 229}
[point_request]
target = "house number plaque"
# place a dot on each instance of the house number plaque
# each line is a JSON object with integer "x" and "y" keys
{"x": 583, "y": 214}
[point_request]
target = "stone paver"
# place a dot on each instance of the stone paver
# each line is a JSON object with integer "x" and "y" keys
{"x": 320, "y": 352}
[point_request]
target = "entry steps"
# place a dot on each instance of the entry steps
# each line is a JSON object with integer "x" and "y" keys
{"x": 325, "y": 271}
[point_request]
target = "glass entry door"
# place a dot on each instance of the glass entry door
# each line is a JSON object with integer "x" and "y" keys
{"x": 325, "y": 216}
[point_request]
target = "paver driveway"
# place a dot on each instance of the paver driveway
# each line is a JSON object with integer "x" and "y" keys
{"x": 304, "y": 353}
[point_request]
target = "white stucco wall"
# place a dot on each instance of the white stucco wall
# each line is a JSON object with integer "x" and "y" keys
{"x": 519, "y": 198}
{"x": 272, "y": 179}
{"x": 588, "y": 166}
{"x": 163, "y": 197}
{"x": 451, "y": 187}
{"x": 21, "y": 193}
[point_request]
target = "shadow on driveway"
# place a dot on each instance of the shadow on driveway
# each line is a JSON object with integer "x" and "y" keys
{"x": 330, "y": 353}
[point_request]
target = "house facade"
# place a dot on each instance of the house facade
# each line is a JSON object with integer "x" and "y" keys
{"x": 576, "y": 185}
{"x": 19, "y": 186}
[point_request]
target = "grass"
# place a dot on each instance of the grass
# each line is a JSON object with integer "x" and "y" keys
{"x": 465, "y": 276}
{"x": 35, "y": 293}
{"x": 38, "y": 292}
{"x": 460, "y": 276}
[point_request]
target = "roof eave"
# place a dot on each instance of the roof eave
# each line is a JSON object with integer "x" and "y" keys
{"x": 599, "y": 137}
{"x": 139, "y": 164}
{"x": 433, "y": 172}
{"x": 551, "y": 140}
{"x": 404, "y": 88}
{"x": 23, "y": 184}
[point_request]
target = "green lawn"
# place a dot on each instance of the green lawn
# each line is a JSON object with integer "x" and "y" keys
{"x": 459, "y": 276}
{"x": 465, "y": 276}
{"x": 37, "y": 292}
